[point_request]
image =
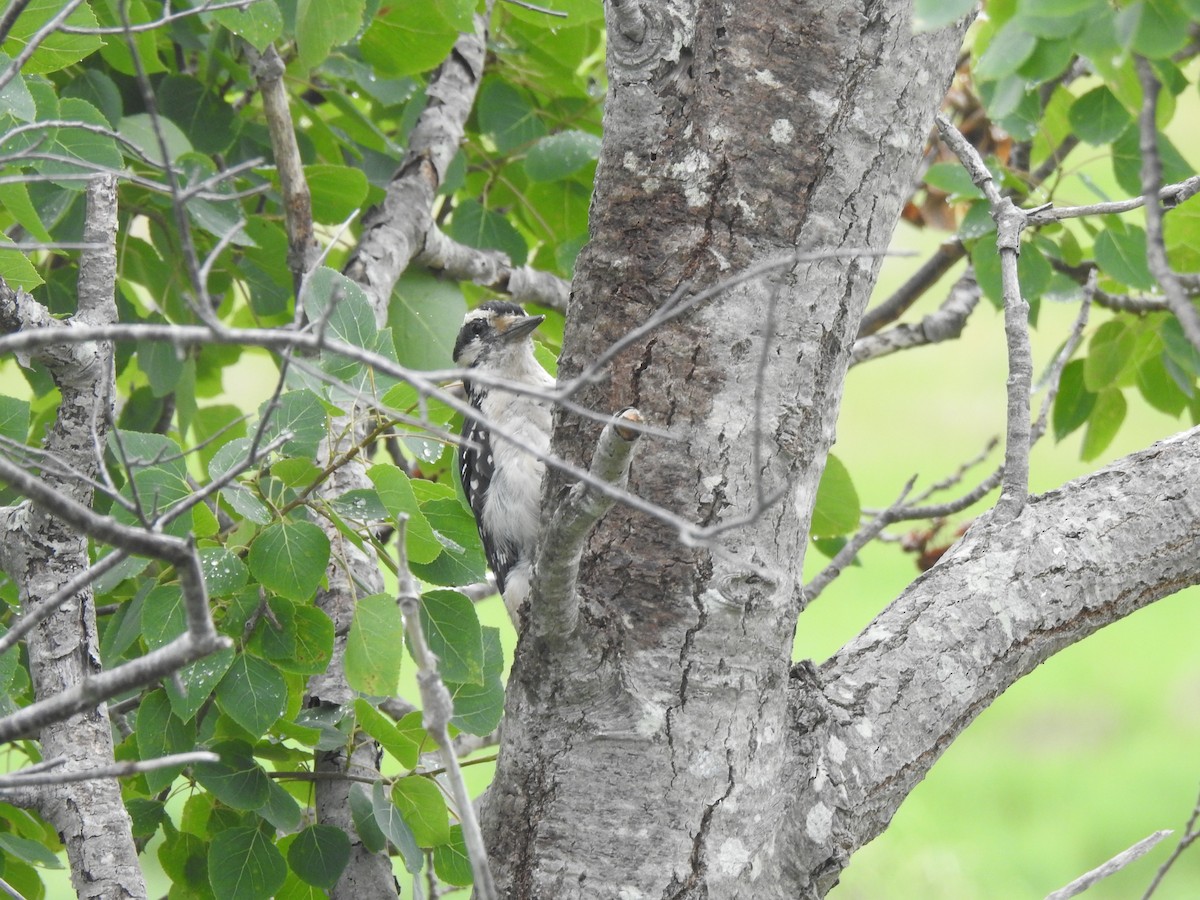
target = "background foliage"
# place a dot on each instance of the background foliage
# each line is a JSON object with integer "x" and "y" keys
{"x": 1043, "y": 78}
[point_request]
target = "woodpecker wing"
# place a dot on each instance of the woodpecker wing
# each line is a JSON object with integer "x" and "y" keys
{"x": 476, "y": 465}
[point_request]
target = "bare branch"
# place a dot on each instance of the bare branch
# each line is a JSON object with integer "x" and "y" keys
{"x": 1114, "y": 865}
{"x": 1156, "y": 252}
{"x": 297, "y": 200}
{"x": 492, "y": 269}
{"x": 393, "y": 233}
{"x": 945, "y": 324}
{"x": 438, "y": 710}
{"x": 947, "y": 254}
{"x": 1010, "y": 220}
{"x": 53, "y": 773}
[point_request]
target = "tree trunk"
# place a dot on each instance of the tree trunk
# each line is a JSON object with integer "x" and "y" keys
{"x": 734, "y": 134}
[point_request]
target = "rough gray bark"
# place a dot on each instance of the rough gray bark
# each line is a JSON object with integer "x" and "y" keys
{"x": 734, "y": 133}
{"x": 42, "y": 554}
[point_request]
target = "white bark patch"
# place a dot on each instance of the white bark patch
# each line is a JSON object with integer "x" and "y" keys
{"x": 766, "y": 77}
{"x": 732, "y": 857}
{"x": 837, "y": 750}
{"x": 819, "y": 823}
{"x": 865, "y": 728}
{"x": 782, "y": 131}
{"x": 823, "y": 102}
{"x": 693, "y": 172}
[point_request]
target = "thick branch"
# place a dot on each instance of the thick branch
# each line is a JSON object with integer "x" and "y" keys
{"x": 1005, "y": 599}
{"x": 395, "y": 232}
{"x": 564, "y": 536}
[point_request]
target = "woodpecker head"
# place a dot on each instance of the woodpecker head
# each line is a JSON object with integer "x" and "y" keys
{"x": 496, "y": 335}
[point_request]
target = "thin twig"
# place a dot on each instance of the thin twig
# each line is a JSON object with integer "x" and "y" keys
{"x": 1191, "y": 833}
{"x": 54, "y": 774}
{"x": 438, "y": 710}
{"x": 1114, "y": 865}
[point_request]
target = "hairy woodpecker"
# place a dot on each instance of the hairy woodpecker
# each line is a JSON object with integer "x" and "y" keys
{"x": 501, "y": 479}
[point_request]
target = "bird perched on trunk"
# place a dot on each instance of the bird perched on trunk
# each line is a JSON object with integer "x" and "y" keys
{"x": 502, "y": 478}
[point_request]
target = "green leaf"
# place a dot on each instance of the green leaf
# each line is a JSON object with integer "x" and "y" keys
{"x": 507, "y": 115}
{"x": 1109, "y": 352}
{"x": 75, "y": 143}
{"x": 253, "y": 693}
{"x": 197, "y": 682}
{"x": 559, "y": 155}
{"x": 478, "y": 708}
{"x": 1127, "y": 162}
{"x": 59, "y": 49}
{"x": 260, "y": 23}
{"x": 476, "y": 226}
{"x": 163, "y": 615}
{"x": 461, "y": 560}
{"x": 398, "y": 744}
{"x": 184, "y": 857}
{"x": 931, "y": 14}
{"x": 423, "y": 808}
{"x": 837, "y": 509}
{"x": 289, "y": 558}
{"x": 451, "y": 862}
{"x": 32, "y": 852}
{"x": 1074, "y": 402}
{"x": 301, "y": 413}
{"x": 1009, "y": 48}
{"x": 452, "y": 630}
{"x": 237, "y": 780}
{"x": 138, "y": 129}
{"x": 161, "y": 734}
{"x": 322, "y": 25}
{"x": 363, "y": 813}
{"x": 951, "y": 178}
{"x": 15, "y": 98}
{"x": 311, "y": 646}
{"x": 243, "y": 864}
{"x": 319, "y": 854}
{"x": 15, "y": 199}
{"x": 14, "y": 419}
{"x": 1159, "y": 388}
{"x": 281, "y": 808}
{"x": 406, "y": 38}
{"x": 374, "y": 648}
{"x": 224, "y": 572}
{"x": 391, "y": 823}
{"x": 1122, "y": 254}
{"x": 425, "y": 315}
{"x": 396, "y": 493}
{"x": 17, "y": 270}
{"x": 1153, "y": 28}
{"x": 210, "y": 125}
{"x": 1105, "y": 420}
{"x": 337, "y": 191}
{"x": 1098, "y": 116}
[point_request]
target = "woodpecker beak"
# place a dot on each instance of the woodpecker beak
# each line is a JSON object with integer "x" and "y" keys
{"x": 516, "y": 327}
